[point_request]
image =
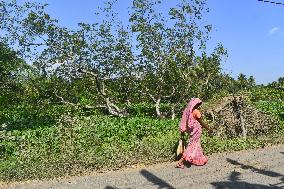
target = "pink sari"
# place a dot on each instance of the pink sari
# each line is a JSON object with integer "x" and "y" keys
{"x": 193, "y": 153}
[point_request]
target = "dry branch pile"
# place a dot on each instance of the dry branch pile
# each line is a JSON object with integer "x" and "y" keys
{"x": 233, "y": 116}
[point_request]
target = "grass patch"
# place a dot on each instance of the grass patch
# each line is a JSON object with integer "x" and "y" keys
{"x": 76, "y": 145}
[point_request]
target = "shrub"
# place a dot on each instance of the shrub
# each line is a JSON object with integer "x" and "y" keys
{"x": 77, "y": 144}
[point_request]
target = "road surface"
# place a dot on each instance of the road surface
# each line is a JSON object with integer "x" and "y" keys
{"x": 261, "y": 168}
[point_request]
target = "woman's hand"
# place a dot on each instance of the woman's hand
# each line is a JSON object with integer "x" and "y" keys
{"x": 210, "y": 131}
{"x": 204, "y": 125}
{"x": 182, "y": 135}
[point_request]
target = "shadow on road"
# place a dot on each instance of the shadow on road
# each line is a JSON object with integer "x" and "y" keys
{"x": 110, "y": 187}
{"x": 155, "y": 180}
{"x": 235, "y": 183}
{"x": 260, "y": 171}
{"x": 282, "y": 152}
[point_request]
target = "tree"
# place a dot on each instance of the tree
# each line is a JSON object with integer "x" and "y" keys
{"x": 168, "y": 64}
{"x": 167, "y": 55}
{"x": 208, "y": 79}
{"x": 279, "y": 84}
{"x": 12, "y": 75}
{"x": 251, "y": 82}
{"x": 244, "y": 82}
{"x": 93, "y": 51}
{"x": 153, "y": 65}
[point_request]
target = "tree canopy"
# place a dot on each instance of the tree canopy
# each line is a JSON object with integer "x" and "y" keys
{"x": 159, "y": 57}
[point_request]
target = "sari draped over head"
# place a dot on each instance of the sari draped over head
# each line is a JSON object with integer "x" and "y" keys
{"x": 187, "y": 116}
{"x": 193, "y": 153}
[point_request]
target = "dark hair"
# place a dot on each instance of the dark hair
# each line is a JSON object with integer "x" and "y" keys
{"x": 197, "y": 105}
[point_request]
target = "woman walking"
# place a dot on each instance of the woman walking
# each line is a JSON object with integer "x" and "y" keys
{"x": 191, "y": 122}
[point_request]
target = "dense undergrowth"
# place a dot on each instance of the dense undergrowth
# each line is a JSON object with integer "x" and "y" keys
{"x": 98, "y": 143}
{"x": 58, "y": 151}
{"x": 57, "y": 142}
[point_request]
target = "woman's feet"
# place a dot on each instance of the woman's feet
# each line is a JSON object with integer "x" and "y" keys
{"x": 179, "y": 165}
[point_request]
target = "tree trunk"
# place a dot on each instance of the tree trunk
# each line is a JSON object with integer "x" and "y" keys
{"x": 111, "y": 107}
{"x": 157, "y": 105}
{"x": 244, "y": 129}
{"x": 173, "y": 113}
{"x": 114, "y": 110}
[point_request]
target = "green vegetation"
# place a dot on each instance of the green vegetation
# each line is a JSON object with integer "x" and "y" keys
{"x": 86, "y": 143}
{"x": 81, "y": 144}
{"x": 272, "y": 107}
{"x": 91, "y": 100}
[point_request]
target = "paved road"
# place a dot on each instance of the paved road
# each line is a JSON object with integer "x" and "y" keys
{"x": 262, "y": 168}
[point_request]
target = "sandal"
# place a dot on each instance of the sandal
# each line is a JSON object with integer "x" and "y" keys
{"x": 181, "y": 166}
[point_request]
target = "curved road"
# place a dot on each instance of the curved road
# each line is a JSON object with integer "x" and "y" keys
{"x": 261, "y": 168}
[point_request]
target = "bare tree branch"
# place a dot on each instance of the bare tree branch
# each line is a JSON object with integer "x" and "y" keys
{"x": 64, "y": 101}
{"x": 172, "y": 94}
{"x": 112, "y": 108}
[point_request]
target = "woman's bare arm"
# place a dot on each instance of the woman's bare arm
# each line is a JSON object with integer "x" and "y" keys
{"x": 204, "y": 125}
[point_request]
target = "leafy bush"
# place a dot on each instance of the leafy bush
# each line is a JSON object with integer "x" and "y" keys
{"x": 267, "y": 94}
{"x": 76, "y": 144}
{"x": 27, "y": 116}
{"x": 275, "y": 108}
